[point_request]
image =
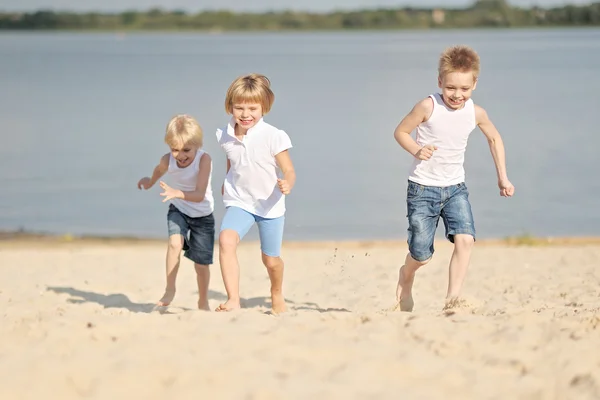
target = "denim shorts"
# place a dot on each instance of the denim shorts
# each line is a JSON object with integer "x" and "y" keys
{"x": 270, "y": 230}
{"x": 198, "y": 234}
{"x": 425, "y": 206}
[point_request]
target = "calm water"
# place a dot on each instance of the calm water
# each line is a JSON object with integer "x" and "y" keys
{"x": 83, "y": 117}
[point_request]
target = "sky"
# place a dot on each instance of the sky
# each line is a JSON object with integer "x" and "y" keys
{"x": 247, "y": 5}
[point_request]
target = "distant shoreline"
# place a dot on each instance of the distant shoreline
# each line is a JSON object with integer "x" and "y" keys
{"x": 125, "y": 32}
{"x": 19, "y": 237}
{"x": 480, "y": 14}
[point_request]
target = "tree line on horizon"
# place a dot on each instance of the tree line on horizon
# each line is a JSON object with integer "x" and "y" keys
{"x": 482, "y": 13}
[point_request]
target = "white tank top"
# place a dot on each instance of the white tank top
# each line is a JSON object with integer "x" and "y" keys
{"x": 185, "y": 179}
{"x": 449, "y": 130}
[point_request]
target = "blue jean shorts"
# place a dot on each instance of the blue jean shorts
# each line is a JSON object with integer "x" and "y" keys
{"x": 198, "y": 234}
{"x": 425, "y": 206}
{"x": 270, "y": 230}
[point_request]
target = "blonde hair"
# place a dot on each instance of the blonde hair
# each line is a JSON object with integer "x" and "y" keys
{"x": 459, "y": 59}
{"x": 252, "y": 88}
{"x": 183, "y": 129}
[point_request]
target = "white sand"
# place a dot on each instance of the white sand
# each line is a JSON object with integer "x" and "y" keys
{"x": 76, "y": 323}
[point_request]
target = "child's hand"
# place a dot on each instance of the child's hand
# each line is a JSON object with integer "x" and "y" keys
{"x": 425, "y": 152}
{"x": 284, "y": 186}
{"x": 506, "y": 188}
{"x": 144, "y": 183}
{"x": 170, "y": 193}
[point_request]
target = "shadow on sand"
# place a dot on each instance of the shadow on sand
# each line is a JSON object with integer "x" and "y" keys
{"x": 119, "y": 300}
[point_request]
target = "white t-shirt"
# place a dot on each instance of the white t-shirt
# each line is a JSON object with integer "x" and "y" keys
{"x": 251, "y": 183}
{"x": 449, "y": 130}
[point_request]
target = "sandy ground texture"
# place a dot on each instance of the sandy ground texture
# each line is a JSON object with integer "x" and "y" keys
{"x": 77, "y": 322}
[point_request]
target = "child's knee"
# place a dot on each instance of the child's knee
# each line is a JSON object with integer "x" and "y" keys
{"x": 464, "y": 242}
{"x": 417, "y": 263}
{"x": 201, "y": 268}
{"x": 228, "y": 240}
{"x": 175, "y": 243}
{"x": 272, "y": 262}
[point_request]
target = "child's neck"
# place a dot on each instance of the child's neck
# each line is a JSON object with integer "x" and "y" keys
{"x": 239, "y": 131}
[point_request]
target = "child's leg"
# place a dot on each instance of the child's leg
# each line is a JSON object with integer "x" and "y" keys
{"x": 460, "y": 229}
{"x": 172, "y": 267}
{"x": 236, "y": 223}
{"x": 406, "y": 278}
{"x": 423, "y": 216}
{"x": 177, "y": 230}
{"x": 271, "y": 237}
{"x": 459, "y": 263}
{"x": 203, "y": 279}
{"x": 200, "y": 250}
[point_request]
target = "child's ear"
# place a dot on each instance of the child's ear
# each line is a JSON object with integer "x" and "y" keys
{"x": 440, "y": 82}
{"x": 475, "y": 84}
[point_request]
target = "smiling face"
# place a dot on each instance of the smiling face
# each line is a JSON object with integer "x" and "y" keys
{"x": 248, "y": 98}
{"x": 183, "y": 153}
{"x": 457, "y": 88}
{"x": 247, "y": 115}
{"x": 184, "y": 137}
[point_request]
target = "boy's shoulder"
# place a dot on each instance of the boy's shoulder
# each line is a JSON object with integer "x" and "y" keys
{"x": 205, "y": 156}
{"x": 428, "y": 102}
{"x": 423, "y": 109}
{"x": 164, "y": 160}
{"x": 480, "y": 114}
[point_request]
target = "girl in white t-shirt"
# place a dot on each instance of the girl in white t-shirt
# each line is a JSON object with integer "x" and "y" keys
{"x": 253, "y": 191}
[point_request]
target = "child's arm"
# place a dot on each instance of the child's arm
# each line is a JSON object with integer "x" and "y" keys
{"x": 289, "y": 174}
{"x": 197, "y": 195}
{"x": 419, "y": 114}
{"x": 497, "y": 149}
{"x": 226, "y": 172}
{"x": 159, "y": 171}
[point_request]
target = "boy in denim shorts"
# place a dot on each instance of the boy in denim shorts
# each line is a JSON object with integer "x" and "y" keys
{"x": 190, "y": 217}
{"x": 436, "y": 183}
{"x": 260, "y": 174}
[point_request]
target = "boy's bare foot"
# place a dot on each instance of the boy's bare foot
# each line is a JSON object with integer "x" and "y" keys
{"x": 278, "y": 303}
{"x": 229, "y": 305}
{"x": 404, "y": 290}
{"x": 167, "y": 298}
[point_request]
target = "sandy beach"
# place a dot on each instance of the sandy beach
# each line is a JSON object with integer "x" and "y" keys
{"x": 77, "y": 322}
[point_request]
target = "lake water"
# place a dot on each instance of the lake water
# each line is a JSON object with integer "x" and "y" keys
{"x": 83, "y": 117}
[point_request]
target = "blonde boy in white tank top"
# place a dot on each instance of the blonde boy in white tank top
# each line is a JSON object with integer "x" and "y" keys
{"x": 190, "y": 218}
{"x": 436, "y": 182}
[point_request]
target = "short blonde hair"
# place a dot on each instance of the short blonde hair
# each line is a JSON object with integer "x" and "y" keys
{"x": 252, "y": 88}
{"x": 183, "y": 130}
{"x": 459, "y": 59}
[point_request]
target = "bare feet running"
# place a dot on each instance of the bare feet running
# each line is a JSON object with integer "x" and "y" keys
{"x": 229, "y": 305}
{"x": 167, "y": 298}
{"x": 404, "y": 291}
{"x": 278, "y": 303}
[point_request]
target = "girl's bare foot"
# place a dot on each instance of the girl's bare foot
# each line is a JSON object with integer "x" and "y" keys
{"x": 278, "y": 303}
{"x": 453, "y": 303}
{"x": 404, "y": 290}
{"x": 167, "y": 298}
{"x": 229, "y": 305}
